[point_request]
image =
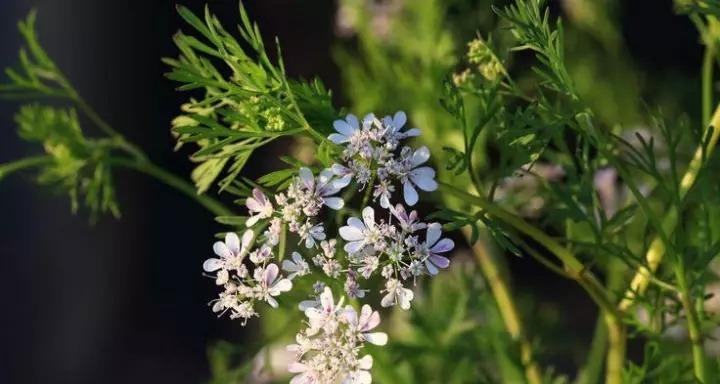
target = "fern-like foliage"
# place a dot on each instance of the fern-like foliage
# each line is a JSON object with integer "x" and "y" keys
{"x": 247, "y": 99}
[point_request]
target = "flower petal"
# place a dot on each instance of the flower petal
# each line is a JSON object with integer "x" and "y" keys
{"x": 388, "y": 300}
{"x": 307, "y": 178}
{"x": 368, "y": 215}
{"x": 377, "y": 338}
{"x": 350, "y": 233}
{"x": 247, "y": 239}
{"x": 420, "y": 156}
{"x": 338, "y": 139}
{"x": 233, "y": 242}
{"x": 343, "y": 127}
{"x": 221, "y": 249}
{"x": 424, "y": 178}
{"x": 270, "y": 273}
{"x": 399, "y": 119}
{"x": 412, "y": 132}
{"x": 410, "y": 194}
{"x": 354, "y": 246}
{"x": 283, "y": 285}
{"x": 353, "y": 121}
{"x": 431, "y": 268}
{"x": 326, "y": 300}
{"x": 212, "y": 265}
{"x": 443, "y": 246}
{"x": 434, "y": 230}
{"x": 440, "y": 261}
{"x": 334, "y": 202}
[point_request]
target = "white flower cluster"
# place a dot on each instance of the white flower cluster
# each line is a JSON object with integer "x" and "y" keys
{"x": 394, "y": 249}
{"x": 371, "y": 153}
{"x": 241, "y": 288}
{"x": 396, "y": 245}
{"x": 328, "y": 350}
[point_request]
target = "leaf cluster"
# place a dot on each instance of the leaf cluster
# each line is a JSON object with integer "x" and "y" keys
{"x": 246, "y": 99}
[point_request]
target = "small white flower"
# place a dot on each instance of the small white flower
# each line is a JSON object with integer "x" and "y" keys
{"x": 323, "y": 317}
{"x": 432, "y": 248}
{"x": 346, "y": 129}
{"x": 397, "y": 294}
{"x": 261, "y": 255}
{"x": 325, "y": 187}
{"x": 362, "y": 374}
{"x": 270, "y": 285}
{"x": 312, "y": 234}
{"x": 359, "y": 233}
{"x": 260, "y": 205}
{"x": 367, "y": 321}
{"x": 408, "y": 222}
{"x": 296, "y": 267}
{"x": 415, "y": 175}
{"x": 395, "y": 124}
{"x": 230, "y": 252}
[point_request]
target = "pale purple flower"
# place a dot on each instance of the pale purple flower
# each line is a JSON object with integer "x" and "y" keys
{"x": 270, "y": 285}
{"x": 230, "y": 252}
{"x": 397, "y": 294}
{"x": 409, "y": 222}
{"x": 324, "y": 316}
{"x": 359, "y": 233}
{"x": 325, "y": 187}
{"x": 367, "y": 321}
{"x": 346, "y": 129}
{"x": 395, "y": 124}
{"x": 313, "y": 234}
{"x": 417, "y": 176}
{"x": 432, "y": 248}
{"x": 296, "y": 267}
{"x": 260, "y": 205}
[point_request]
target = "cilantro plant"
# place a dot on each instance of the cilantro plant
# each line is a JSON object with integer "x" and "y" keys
{"x": 488, "y": 123}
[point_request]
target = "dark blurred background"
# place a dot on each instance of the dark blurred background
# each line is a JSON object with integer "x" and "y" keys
{"x": 124, "y": 301}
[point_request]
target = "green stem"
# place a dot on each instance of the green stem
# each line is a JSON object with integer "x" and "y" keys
{"x": 693, "y": 323}
{"x": 21, "y": 164}
{"x": 576, "y": 270}
{"x": 707, "y": 82}
{"x": 656, "y": 251}
{"x": 506, "y": 306}
{"x": 171, "y": 180}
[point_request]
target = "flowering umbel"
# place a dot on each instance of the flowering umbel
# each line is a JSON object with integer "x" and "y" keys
{"x": 388, "y": 240}
{"x": 328, "y": 350}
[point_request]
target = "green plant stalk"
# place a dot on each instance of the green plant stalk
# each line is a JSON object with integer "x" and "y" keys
{"x": 656, "y": 251}
{"x": 176, "y": 182}
{"x": 693, "y": 324}
{"x": 707, "y": 82}
{"x": 506, "y": 305}
{"x": 576, "y": 271}
{"x": 24, "y": 163}
{"x": 616, "y": 349}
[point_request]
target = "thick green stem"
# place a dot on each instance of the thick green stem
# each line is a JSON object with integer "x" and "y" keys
{"x": 506, "y": 305}
{"x": 171, "y": 180}
{"x": 616, "y": 349}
